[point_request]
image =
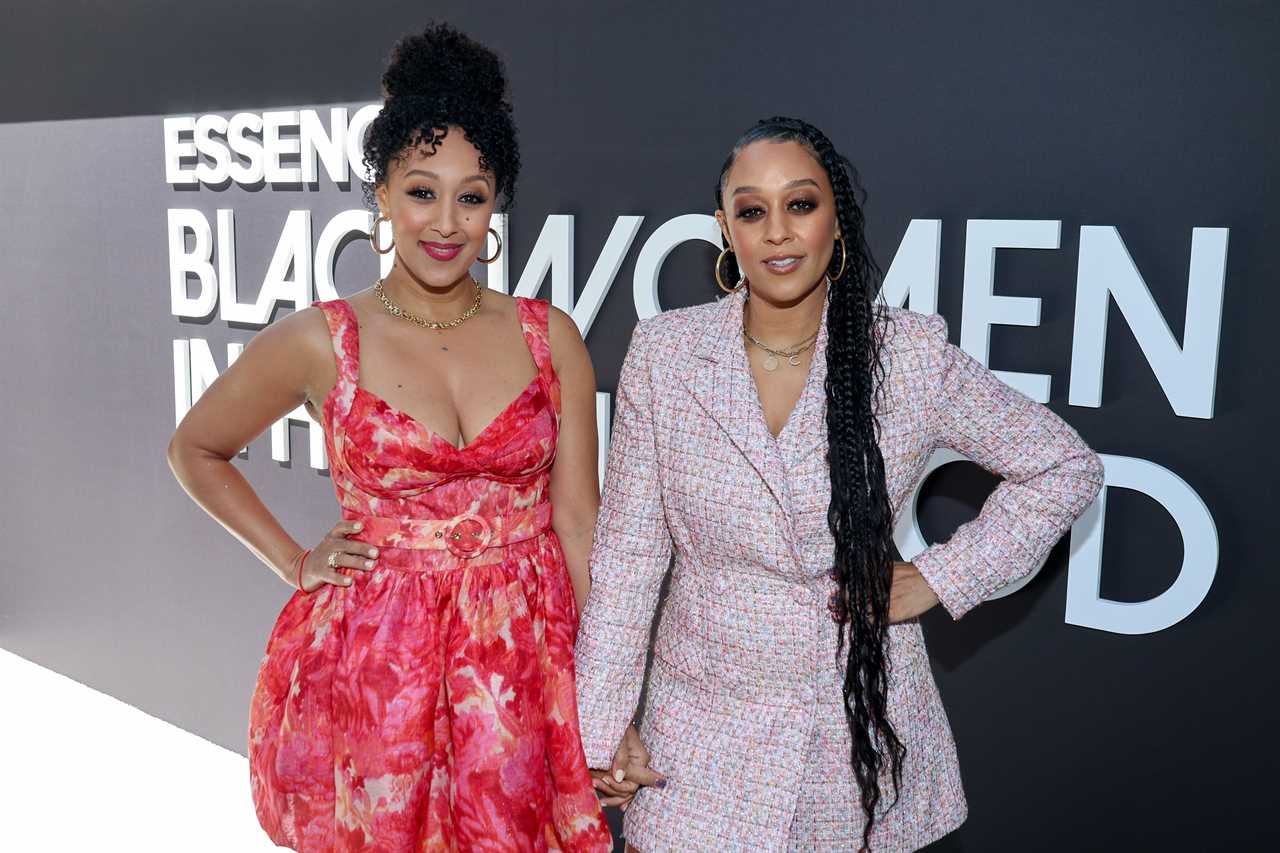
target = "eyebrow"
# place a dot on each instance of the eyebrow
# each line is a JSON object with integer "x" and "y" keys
{"x": 434, "y": 176}
{"x": 796, "y": 183}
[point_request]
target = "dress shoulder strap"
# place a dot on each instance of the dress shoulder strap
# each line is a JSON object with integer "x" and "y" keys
{"x": 344, "y": 334}
{"x": 535, "y": 323}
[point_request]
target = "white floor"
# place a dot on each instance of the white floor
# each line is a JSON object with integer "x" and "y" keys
{"x": 81, "y": 771}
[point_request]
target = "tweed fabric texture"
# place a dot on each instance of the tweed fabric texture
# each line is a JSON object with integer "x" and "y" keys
{"x": 744, "y": 711}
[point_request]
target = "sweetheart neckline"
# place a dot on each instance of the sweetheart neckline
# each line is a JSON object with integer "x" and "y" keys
{"x": 419, "y": 425}
{"x": 435, "y": 436}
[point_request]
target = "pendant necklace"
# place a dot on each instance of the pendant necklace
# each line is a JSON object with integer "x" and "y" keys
{"x": 776, "y": 356}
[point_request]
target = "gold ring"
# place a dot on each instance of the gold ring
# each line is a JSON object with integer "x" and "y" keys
{"x": 333, "y": 559}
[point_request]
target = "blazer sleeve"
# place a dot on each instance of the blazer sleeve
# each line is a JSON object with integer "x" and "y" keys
{"x": 629, "y": 557}
{"x": 1050, "y": 476}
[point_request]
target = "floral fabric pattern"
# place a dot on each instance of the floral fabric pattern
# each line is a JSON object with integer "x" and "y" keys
{"x": 430, "y": 706}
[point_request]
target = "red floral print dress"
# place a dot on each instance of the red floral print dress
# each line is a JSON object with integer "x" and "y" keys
{"x": 430, "y": 706}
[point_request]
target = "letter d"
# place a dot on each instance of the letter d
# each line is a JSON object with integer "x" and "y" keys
{"x": 1086, "y": 607}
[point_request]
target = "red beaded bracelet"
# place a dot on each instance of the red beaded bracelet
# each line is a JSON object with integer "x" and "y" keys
{"x": 301, "y": 562}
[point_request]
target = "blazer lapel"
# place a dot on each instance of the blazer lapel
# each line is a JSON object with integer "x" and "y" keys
{"x": 721, "y": 382}
{"x": 806, "y": 429}
{"x": 810, "y": 417}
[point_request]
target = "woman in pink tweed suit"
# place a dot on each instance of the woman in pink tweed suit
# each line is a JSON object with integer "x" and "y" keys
{"x": 791, "y": 694}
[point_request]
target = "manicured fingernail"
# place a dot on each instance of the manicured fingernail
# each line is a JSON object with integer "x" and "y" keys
{"x": 619, "y": 775}
{"x": 368, "y": 564}
{"x": 661, "y": 783}
{"x": 359, "y": 525}
{"x": 373, "y": 552}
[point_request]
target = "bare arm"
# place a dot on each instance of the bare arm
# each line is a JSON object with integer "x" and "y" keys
{"x": 285, "y": 364}
{"x": 575, "y": 485}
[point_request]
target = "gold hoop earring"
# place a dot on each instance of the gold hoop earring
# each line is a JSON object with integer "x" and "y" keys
{"x": 844, "y": 257}
{"x": 728, "y": 250}
{"x": 373, "y": 235}
{"x": 498, "y": 237}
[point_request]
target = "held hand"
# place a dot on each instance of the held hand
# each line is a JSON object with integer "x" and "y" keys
{"x": 319, "y": 569}
{"x": 910, "y": 596}
{"x": 630, "y": 771}
{"x": 613, "y": 786}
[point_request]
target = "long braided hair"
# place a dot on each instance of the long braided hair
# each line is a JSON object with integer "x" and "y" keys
{"x": 859, "y": 516}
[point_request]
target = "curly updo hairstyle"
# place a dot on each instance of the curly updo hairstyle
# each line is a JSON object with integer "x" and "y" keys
{"x": 859, "y": 515}
{"x": 436, "y": 81}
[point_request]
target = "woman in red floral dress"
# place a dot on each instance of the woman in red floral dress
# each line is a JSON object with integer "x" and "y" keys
{"x": 417, "y": 691}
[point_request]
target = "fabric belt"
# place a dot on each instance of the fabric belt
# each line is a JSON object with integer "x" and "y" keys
{"x": 465, "y": 535}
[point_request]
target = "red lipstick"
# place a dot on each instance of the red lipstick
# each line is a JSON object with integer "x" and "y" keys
{"x": 441, "y": 251}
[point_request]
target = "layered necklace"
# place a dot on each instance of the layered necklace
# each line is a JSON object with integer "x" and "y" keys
{"x": 396, "y": 311}
{"x": 791, "y": 355}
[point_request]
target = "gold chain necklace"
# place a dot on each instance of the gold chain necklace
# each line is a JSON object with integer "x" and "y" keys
{"x": 396, "y": 311}
{"x": 791, "y": 354}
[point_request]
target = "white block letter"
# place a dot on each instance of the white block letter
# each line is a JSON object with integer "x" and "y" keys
{"x": 553, "y": 252}
{"x": 1085, "y": 606}
{"x": 603, "y": 273}
{"x": 1187, "y": 374}
{"x": 293, "y": 253}
{"x": 357, "y": 221}
{"x": 329, "y": 145}
{"x": 912, "y": 279}
{"x": 214, "y": 149}
{"x": 176, "y": 150}
{"x": 673, "y": 232}
{"x": 604, "y": 429}
{"x": 181, "y": 379}
{"x": 197, "y": 262}
{"x": 253, "y": 170}
{"x": 275, "y": 146}
{"x": 315, "y": 438}
{"x": 983, "y": 309}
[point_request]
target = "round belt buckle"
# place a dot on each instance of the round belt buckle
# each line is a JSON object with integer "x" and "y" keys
{"x": 460, "y": 543}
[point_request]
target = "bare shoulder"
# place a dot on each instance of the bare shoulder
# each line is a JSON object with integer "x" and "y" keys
{"x": 503, "y": 309}
{"x": 560, "y": 325}
{"x": 498, "y": 300}
{"x": 305, "y": 331}
{"x": 296, "y": 351}
{"x": 364, "y": 303}
{"x": 567, "y": 346}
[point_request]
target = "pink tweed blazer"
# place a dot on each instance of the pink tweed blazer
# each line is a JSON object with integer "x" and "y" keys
{"x": 743, "y": 713}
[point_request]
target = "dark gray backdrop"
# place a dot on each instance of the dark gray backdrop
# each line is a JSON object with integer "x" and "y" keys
{"x": 1153, "y": 117}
